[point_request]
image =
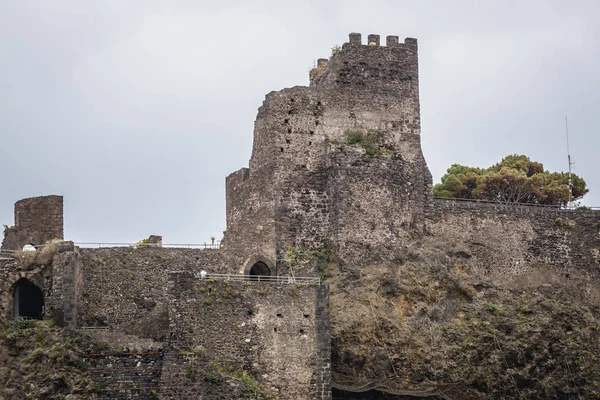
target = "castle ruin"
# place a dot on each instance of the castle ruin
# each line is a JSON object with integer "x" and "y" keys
{"x": 337, "y": 189}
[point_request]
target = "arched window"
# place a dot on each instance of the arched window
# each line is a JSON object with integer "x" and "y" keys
{"x": 29, "y": 301}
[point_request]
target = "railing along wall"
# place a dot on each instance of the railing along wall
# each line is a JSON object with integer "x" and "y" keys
{"x": 553, "y": 206}
{"x": 216, "y": 245}
{"x": 291, "y": 280}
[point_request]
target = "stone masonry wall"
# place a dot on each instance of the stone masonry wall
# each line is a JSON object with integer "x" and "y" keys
{"x": 250, "y": 215}
{"x": 521, "y": 247}
{"x": 126, "y": 289}
{"x": 126, "y": 374}
{"x": 56, "y": 280}
{"x": 37, "y": 220}
{"x": 323, "y": 370}
{"x": 11, "y": 273}
{"x": 65, "y": 272}
{"x": 232, "y": 339}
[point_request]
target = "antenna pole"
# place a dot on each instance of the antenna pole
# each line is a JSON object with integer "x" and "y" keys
{"x": 570, "y": 163}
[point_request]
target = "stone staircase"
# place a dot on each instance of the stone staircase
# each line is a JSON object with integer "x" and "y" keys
{"x": 127, "y": 374}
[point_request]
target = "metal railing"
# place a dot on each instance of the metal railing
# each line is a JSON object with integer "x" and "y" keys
{"x": 288, "y": 280}
{"x": 8, "y": 251}
{"x": 553, "y": 206}
{"x": 215, "y": 245}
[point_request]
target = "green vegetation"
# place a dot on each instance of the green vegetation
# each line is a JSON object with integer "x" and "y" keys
{"x": 564, "y": 223}
{"x": 515, "y": 179}
{"x": 43, "y": 363}
{"x": 141, "y": 243}
{"x": 44, "y": 256}
{"x": 304, "y": 260}
{"x": 370, "y": 140}
{"x": 223, "y": 379}
{"x": 427, "y": 320}
{"x": 190, "y": 371}
{"x": 253, "y": 388}
{"x": 198, "y": 350}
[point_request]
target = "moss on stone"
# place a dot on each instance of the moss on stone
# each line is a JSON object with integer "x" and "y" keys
{"x": 41, "y": 362}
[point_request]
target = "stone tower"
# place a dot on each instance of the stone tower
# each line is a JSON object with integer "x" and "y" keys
{"x": 37, "y": 220}
{"x": 335, "y": 165}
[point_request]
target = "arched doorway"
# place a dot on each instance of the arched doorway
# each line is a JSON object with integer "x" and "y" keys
{"x": 29, "y": 301}
{"x": 260, "y": 269}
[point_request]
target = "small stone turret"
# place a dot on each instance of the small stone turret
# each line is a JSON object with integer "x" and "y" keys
{"x": 37, "y": 220}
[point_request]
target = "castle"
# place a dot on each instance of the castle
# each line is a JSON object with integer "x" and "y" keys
{"x": 337, "y": 182}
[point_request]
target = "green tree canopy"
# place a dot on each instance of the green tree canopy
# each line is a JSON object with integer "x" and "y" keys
{"x": 515, "y": 179}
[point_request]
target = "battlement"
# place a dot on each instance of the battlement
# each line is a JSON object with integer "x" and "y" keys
{"x": 355, "y": 39}
{"x": 365, "y": 67}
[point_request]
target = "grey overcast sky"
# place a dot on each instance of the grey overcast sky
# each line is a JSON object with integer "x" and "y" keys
{"x": 136, "y": 111}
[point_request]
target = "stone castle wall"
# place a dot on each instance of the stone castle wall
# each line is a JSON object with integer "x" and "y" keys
{"x": 250, "y": 212}
{"x": 263, "y": 335}
{"x": 126, "y": 288}
{"x": 521, "y": 246}
{"x": 126, "y": 374}
{"x": 57, "y": 281}
{"x": 37, "y": 220}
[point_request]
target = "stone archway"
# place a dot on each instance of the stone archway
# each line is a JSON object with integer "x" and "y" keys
{"x": 28, "y": 300}
{"x": 260, "y": 269}
{"x": 257, "y": 265}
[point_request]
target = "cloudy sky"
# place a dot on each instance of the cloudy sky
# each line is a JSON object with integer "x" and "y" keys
{"x": 136, "y": 111}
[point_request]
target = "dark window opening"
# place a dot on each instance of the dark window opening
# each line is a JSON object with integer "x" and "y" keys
{"x": 29, "y": 301}
{"x": 280, "y": 315}
{"x": 274, "y": 329}
{"x": 301, "y": 331}
{"x": 306, "y": 315}
{"x": 259, "y": 269}
{"x": 250, "y": 313}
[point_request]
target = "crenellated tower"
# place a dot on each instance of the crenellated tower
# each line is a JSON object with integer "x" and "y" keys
{"x": 336, "y": 163}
